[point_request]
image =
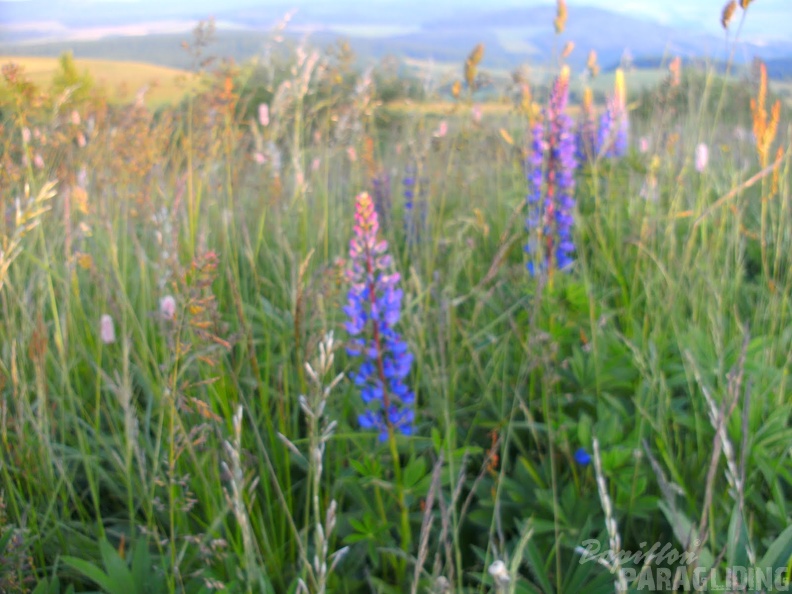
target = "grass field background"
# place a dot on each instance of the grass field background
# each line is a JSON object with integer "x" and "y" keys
{"x": 575, "y": 323}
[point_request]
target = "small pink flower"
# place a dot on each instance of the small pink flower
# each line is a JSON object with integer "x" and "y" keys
{"x": 81, "y": 140}
{"x": 26, "y": 135}
{"x": 702, "y": 157}
{"x": 476, "y": 113}
{"x": 75, "y": 117}
{"x": 107, "y": 329}
{"x": 352, "y": 153}
{"x": 259, "y": 158}
{"x": 643, "y": 145}
{"x": 263, "y": 114}
{"x": 167, "y": 307}
{"x": 38, "y": 161}
{"x": 315, "y": 164}
{"x": 442, "y": 130}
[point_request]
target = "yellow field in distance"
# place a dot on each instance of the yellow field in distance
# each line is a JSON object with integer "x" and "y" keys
{"x": 121, "y": 80}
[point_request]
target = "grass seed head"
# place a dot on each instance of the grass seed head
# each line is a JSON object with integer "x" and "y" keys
{"x": 728, "y": 13}
{"x": 561, "y": 16}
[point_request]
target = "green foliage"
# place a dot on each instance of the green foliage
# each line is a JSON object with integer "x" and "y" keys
{"x": 76, "y": 87}
{"x": 206, "y": 443}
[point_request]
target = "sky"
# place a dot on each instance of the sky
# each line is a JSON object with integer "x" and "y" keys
{"x": 766, "y": 17}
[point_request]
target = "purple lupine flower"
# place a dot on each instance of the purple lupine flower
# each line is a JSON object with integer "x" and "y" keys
{"x": 582, "y": 457}
{"x": 414, "y": 209}
{"x": 555, "y": 153}
{"x": 373, "y": 309}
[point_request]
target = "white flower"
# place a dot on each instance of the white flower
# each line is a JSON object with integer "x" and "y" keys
{"x": 702, "y": 157}
{"x": 499, "y": 572}
{"x": 107, "y": 329}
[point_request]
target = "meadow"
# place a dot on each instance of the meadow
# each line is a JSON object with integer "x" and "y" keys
{"x": 285, "y": 335}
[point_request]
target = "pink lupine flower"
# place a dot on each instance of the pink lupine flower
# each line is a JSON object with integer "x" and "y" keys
{"x": 107, "y": 329}
{"x": 168, "y": 307}
{"x": 263, "y": 114}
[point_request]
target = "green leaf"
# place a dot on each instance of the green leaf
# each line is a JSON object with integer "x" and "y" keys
{"x": 414, "y": 472}
{"x": 685, "y": 531}
{"x": 117, "y": 570}
{"x": 780, "y": 552}
{"x": 91, "y": 571}
{"x": 737, "y": 546}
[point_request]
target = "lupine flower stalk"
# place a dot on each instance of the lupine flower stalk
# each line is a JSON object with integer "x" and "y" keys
{"x": 551, "y": 172}
{"x": 414, "y": 208}
{"x": 587, "y": 141}
{"x": 614, "y": 123}
{"x": 374, "y": 307}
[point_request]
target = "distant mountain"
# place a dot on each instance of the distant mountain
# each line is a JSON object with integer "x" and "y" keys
{"x": 780, "y": 68}
{"x": 411, "y": 28}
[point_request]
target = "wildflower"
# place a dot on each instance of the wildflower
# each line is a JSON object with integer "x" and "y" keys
{"x": 259, "y": 158}
{"x": 476, "y": 114}
{"x": 412, "y": 215}
{"x": 561, "y": 16}
{"x": 702, "y": 157}
{"x": 75, "y": 117}
{"x": 643, "y": 145}
{"x": 591, "y": 64}
{"x": 107, "y": 329}
{"x": 582, "y": 457}
{"x": 614, "y": 123}
{"x": 442, "y": 130}
{"x": 587, "y": 143}
{"x": 167, "y": 307}
{"x": 373, "y": 309}
{"x": 471, "y": 65}
{"x": 551, "y": 174}
{"x": 26, "y": 135}
{"x": 499, "y": 573}
{"x": 315, "y": 164}
{"x": 263, "y": 114}
{"x": 675, "y": 69}
{"x": 38, "y": 161}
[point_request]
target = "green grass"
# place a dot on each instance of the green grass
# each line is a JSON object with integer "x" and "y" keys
{"x": 222, "y": 446}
